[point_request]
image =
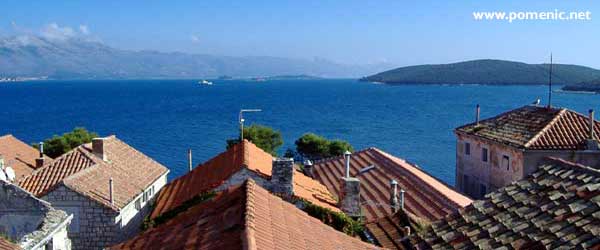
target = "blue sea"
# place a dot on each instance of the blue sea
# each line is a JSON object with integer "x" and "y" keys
{"x": 163, "y": 118}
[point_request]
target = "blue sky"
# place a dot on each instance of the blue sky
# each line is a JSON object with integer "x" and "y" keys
{"x": 348, "y": 31}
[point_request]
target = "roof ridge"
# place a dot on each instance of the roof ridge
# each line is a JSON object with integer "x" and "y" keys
{"x": 576, "y": 166}
{"x": 494, "y": 117}
{"x": 248, "y": 238}
{"x": 554, "y": 120}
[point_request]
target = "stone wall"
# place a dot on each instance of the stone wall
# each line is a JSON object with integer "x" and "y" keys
{"x": 239, "y": 177}
{"x": 32, "y": 222}
{"x": 93, "y": 225}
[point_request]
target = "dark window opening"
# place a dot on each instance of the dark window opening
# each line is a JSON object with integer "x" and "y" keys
{"x": 467, "y": 148}
{"x": 484, "y": 154}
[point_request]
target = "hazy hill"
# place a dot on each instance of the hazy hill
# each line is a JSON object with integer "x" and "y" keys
{"x": 34, "y": 56}
{"x": 485, "y": 72}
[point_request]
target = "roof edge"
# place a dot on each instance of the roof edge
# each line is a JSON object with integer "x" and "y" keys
{"x": 248, "y": 237}
{"x": 546, "y": 128}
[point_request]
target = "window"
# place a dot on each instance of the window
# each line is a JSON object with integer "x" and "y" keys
{"x": 467, "y": 148}
{"x": 506, "y": 162}
{"x": 484, "y": 154}
{"x": 482, "y": 190}
{"x": 466, "y": 183}
{"x": 138, "y": 204}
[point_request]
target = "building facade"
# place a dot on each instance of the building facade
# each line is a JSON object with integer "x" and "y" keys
{"x": 107, "y": 186}
{"x": 492, "y": 153}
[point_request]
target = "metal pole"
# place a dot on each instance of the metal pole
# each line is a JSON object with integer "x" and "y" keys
{"x": 241, "y": 120}
{"x": 550, "y": 84}
{"x": 190, "y": 159}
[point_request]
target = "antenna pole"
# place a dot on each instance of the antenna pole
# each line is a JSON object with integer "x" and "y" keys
{"x": 550, "y": 84}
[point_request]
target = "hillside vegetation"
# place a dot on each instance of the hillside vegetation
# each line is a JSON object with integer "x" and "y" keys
{"x": 486, "y": 72}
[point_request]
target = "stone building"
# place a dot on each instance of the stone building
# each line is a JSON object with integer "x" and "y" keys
{"x": 27, "y": 222}
{"x": 19, "y": 158}
{"x": 494, "y": 152}
{"x": 106, "y": 185}
{"x": 233, "y": 167}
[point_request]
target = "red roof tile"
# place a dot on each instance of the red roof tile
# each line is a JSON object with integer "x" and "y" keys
{"x": 43, "y": 180}
{"x": 536, "y": 128}
{"x": 7, "y": 245}
{"x": 426, "y": 197}
{"x": 19, "y": 155}
{"x": 212, "y": 173}
{"x": 89, "y": 175}
{"x": 244, "y": 217}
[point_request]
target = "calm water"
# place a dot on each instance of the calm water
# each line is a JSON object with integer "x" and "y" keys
{"x": 163, "y": 118}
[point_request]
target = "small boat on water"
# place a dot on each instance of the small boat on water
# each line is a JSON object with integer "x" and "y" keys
{"x": 205, "y": 82}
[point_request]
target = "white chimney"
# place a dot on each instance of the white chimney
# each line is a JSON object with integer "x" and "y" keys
{"x": 394, "y": 196}
{"x": 308, "y": 168}
{"x": 98, "y": 148}
{"x": 402, "y": 198}
{"x": 347, "y": 157}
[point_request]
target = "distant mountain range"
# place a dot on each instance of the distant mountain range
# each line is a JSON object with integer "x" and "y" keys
{"x": 33, "y": 56}
{"x": 486, "y": 72}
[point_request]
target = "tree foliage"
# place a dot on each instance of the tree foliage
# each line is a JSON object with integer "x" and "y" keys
{"x": 263, "y": 137}
{"x": 313, "y": 146}
{"x": 58, "y": 145}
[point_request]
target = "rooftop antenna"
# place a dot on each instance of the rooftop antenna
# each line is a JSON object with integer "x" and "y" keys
{"x": 550, "y": 84}
{"x": 241, "y": 120}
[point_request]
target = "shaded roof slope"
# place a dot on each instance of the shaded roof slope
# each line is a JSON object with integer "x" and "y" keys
{"x": 558, "y": 206}
{"x": 536, "y": 128}
{"x": 215, "y": 171}
{"x": 425, "y": 197}
{"x": 41, "y": 181}
{"x": 87, "y": 174}
{"x": 244, "y": 217}
{"x": 19, "y": 155}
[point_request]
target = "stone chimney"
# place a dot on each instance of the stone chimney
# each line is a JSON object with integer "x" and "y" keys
{"x": 592, "y": 143}
{"x": 350, "y": 196}
{"x": 394, "y": 196}
{"x": 477, "y": 113}
{"x": 282, "y": 176}
{"x": 98, "y": 148}
{"x": 308, "y": 168}
{"x": 39, "y": 162}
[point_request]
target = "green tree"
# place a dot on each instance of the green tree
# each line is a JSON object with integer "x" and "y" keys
{"x": 263, "y": 137}
{"x": 313, "y": 146}
{"x": 58, "y": 145}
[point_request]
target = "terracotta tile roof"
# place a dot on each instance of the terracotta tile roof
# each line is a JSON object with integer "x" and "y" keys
{"x": 389, "y": 230}
{"x": 536, "y": 128}
{"x": 244, "y": 217}
{"x": 212, "y": 173}
{"x": 89, "y": 175}
{"x": 43, "y": 180}
{"x": 558, "y": 206}
{"x": 19, "y": 155}
{"x": 7, "y": 245}
{"x": 426, "y": 197}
